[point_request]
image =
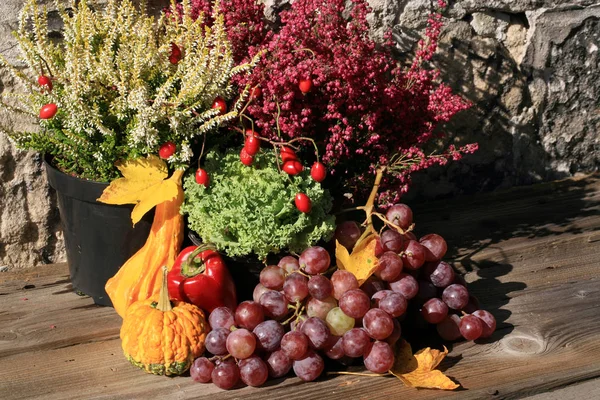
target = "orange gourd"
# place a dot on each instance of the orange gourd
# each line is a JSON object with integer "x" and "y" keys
{"x": 161, "y": 338}
{"x": 140, "y": 277}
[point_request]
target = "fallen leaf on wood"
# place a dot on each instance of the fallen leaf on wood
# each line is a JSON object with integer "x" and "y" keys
{"x": 418, "y": 370}
{"x": 362, "y": 262}
{"x": 143, "y": 184}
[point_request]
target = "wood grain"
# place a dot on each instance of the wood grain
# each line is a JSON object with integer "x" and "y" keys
{"x": 532, "y": 256}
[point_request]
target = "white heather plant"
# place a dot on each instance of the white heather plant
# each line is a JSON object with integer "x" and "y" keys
{"x": 123, "y": 83}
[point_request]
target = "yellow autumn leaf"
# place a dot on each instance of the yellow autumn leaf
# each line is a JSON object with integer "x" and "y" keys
{"x": 362, "y": 262}
{"x": 418, "y": 370}
{"x": 143, "y": 184}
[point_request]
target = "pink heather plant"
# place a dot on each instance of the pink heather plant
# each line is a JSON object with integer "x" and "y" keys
{"x": 364, "y": 109}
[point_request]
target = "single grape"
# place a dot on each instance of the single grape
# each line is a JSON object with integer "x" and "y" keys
{"x": 355, "y": 342}
{"x": 221, "y": 317}
{"x": 248, "y": 314}
{"x": 394, "y": 304}
{"x": 456, "y": 296}
{"x": 435, "y": 246}
{"x": 289, "y": 264}
{"x": 342, "y": 282}
{"x": 347, "y": 233}
{"x": 396, "y": 333}
{"x": 296, "y": 324}
{"x": 409, "y": 236}
{"x": 489, "y": 322}
{"x": 426, "y": 291}
{"x": 449, "y": 329}
{"x": 272, "y": 277}
{"x": 317, "y": 332}
{"x": 241, "y": 343}
{"x": 259, "y": 290}
{"x": 253, "y": 371}
{"x": 320, "y": 287}
{"x": 391, "y": 241}
{"x": 390, "y": 266}
{"x": 439, "y": 273}
{"x": 379, "y": 357}
{"x": 377, "y": 297}
{"x": 310, "y": 367}
{"x": 414, "y": 255}
{"x": 434, "y": 311}
{"x": 355, "y": 303}
{"x": 295, "y": 287}
{"x": 294, "y": 344}
{"x": 372, "y": 285}
{"x": 472, "y": 305}
{"x": 378, "y": 248}
{"x": 378, "y": 324}
{"x": 320, "y": 308}
{"x": 471, "y": 327}
{"x": 334, "y": 349}
{"x": 279, "y": 364}
{"x": 406, "y": 285}
{"x": 269, "y": 334}
{"x": 338, "y": 322}
{"x": 274, "y": 304}
{"x": 226, "y": 374}
{"x": 314, "y": 260}
{"x": 401, "y": 215}
{"x": 216, "y": 341}
{"x": 201, "y": 370}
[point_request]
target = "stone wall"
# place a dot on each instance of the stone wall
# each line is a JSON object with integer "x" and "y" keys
{"x": 530, "y": 68}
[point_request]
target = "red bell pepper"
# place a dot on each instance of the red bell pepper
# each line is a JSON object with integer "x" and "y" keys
{"x": 199, "y": 276}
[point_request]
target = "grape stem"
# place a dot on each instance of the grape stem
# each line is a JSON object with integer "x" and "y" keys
{"x": 220, "y": 358}
{"x": 368, "y": 207}
{"x": 298, "y": 309}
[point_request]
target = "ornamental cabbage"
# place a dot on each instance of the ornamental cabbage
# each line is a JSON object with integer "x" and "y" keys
{"x": 250, "y": 210}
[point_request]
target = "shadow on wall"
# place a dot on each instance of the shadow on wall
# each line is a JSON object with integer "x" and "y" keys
{"x": 534, "y": 110}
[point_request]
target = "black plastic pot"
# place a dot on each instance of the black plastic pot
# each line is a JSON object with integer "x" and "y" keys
{"x": 99, "y": 237}
{"x": 245, "y": 272}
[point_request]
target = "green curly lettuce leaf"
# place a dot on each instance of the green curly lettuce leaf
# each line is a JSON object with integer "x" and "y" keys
{"x": 251, "y": 210}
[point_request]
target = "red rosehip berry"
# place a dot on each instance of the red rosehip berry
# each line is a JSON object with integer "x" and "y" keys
{"x": 287, "y": 154}
{"x": 220, "y": 104}
{"x": 48, "y": 111}
{"x": 175, "y": 55}
{"x": 255, "y": 92}
{"x": 305, "y": 85}
{"x": 318, "y": 171}
{"x": 45, "y": 82}
{"x": 293, "y": 167}
{"x": 202, "y": 177}
{"x": 252, "y": 143}
{"x": 166, "y": 150}
{"x": 246, "y": 158}
{"x": 303, "y": 203}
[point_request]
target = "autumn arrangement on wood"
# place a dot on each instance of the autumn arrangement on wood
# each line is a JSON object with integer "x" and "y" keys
{"x": 265, "y": 146}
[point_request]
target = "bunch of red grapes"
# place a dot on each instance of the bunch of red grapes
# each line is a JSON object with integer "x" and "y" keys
{"x": 300, "y": 313}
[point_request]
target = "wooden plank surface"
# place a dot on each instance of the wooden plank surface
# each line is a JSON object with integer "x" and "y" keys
{"x": 531, "y": 255}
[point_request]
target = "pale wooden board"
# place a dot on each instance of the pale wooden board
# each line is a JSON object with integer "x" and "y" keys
{"x": 585, "y": 390}
{"x": 537, "y": 270}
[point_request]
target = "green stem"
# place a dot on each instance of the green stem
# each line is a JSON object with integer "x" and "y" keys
{"x": 191, "y": 266}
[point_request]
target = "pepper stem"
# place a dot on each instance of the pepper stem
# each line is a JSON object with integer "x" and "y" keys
{"x": 192, "y": 266}
{"x": 164, "y": 304}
